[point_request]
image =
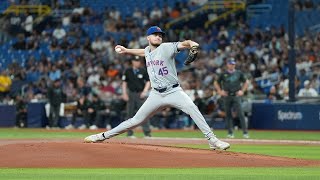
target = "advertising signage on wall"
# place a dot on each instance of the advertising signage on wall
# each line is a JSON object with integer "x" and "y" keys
{"x": 289, "y": 115}
{"x": 285, "y": 116}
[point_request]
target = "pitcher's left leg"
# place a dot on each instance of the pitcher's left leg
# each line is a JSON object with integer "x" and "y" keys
{"x": 182, "y": 101}
{"x": 179, "y": 99}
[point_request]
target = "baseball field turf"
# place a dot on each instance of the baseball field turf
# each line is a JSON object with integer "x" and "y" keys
{"x": 292, "y": 146}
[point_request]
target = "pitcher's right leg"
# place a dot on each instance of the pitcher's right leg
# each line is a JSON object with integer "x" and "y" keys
{"x": 149, "y": 108}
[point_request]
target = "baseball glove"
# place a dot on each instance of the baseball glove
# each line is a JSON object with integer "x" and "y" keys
{"x": 193, "y": 52}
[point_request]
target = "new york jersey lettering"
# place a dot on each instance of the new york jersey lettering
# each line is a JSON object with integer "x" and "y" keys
{"x": 155, "y": 63}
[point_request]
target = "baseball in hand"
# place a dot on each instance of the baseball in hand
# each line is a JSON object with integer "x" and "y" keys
{"x": 118, "y": 50}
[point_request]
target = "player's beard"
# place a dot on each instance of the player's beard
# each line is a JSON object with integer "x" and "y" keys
{"x": 155, "y": 44}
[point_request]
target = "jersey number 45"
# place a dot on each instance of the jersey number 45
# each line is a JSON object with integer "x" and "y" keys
{"x": 163, "y": 71}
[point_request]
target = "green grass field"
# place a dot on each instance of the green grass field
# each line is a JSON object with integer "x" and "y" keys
{"x": 185, "y": 174}
{"x": 310, "y": 152}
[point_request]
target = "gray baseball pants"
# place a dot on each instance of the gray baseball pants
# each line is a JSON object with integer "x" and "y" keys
{"x": 174, "y": 97}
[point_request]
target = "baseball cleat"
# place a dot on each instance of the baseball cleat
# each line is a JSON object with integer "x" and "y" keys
{"x": 230, "y": 136}
{"x": 94, "y": 138}
{"x": 218, "y": 144}
{"x": 246, "y": 136}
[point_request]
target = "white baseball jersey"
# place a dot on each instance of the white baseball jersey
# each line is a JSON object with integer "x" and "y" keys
{"x": 161, "y": 65}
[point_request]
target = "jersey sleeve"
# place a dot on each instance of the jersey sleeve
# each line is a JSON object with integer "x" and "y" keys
{"x": 171, "y": 47}
{"x": 175, "y": 45}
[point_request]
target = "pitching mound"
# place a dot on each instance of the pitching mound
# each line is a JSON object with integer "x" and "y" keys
{"x": 128, "y": 153}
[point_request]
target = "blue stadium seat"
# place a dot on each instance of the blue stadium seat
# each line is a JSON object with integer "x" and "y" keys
{"x": 303, "y": 19}
{"x": 99, "y": 6}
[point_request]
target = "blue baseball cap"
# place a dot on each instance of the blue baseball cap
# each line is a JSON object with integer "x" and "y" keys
{"x": 154, "y": 29}
{"x": 231, "y": 61}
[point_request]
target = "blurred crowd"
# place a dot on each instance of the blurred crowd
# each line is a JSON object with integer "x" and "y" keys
{"x": 301, "y": 5}
{"x": 95, "y": 70}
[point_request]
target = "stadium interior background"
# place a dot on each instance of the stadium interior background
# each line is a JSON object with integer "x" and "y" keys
{"x": 275, "y": 42}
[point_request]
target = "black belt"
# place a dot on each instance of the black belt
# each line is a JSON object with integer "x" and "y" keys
{"x": 164, "y": 89}
{"x": 136, "y": 91}
{"x": 232, "y": 94}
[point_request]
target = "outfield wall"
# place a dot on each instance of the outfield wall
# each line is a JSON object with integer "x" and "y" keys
{"x": 287, "y": 116}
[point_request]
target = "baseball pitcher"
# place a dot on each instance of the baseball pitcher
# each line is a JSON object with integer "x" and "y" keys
{"x": 166, "y": 90}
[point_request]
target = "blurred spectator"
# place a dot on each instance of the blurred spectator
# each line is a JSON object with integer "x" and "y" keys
{"x": 214, "y": 106}
{"x": 219, "y": 110}
{"x": 200, "y": 103}
{"x": 164, "y": 118}
{"x": 70, "y": 91}
{"x": 175, "y": 13}
{"x": 297, "y": 5}
{"x": 28, "y": 23}
{"x": 94, "y": 78}
{"x": 32, "y": 74}
{"x": 82, "y": 87}
{"x": 303, "y": 77}
{"x": 251, "y": 48}
{"x": 54, "y": 45}
{"x": 64, "y": 44}
{"x": 20, "y": 44}
{"x": 76, "y": 16}
{"x": 223, "y": 33}
{"x": 95, "y": 107}
{"x": 134, "y": 44}
{"x": 307, "y": 91}
{"x": 308, "y": 5}
{"x": 283, "y": 86}
{"x": 59, "y": 32}
{"x": 28, "y": 92}
{"x": 117, "y": 110}
{"x": 32, "y": 41}
{"x": 15, "y": 19}
{"x": 55, "y": 73}
{"x": 81, "y": 111}
{"x": 99, "y": 45}
{"x": 273, "y": 95}
{"x": 114, "y": 13}
{"x": 17, "y": 85}
{"x": 87, "y": 45}
{"x": 137, "y": 14}
{"x": 155, "y": 13}
{"x": 42, "y": 89}
{"x": 55, "y": 98}
{"x": 21, "y": 109}
{"x": 112, "y": 115}
{"x": 315, "y": 82}
{"x": 5, "y": 83}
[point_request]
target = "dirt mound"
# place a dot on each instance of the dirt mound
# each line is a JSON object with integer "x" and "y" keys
{"x": 128, "y": 154}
